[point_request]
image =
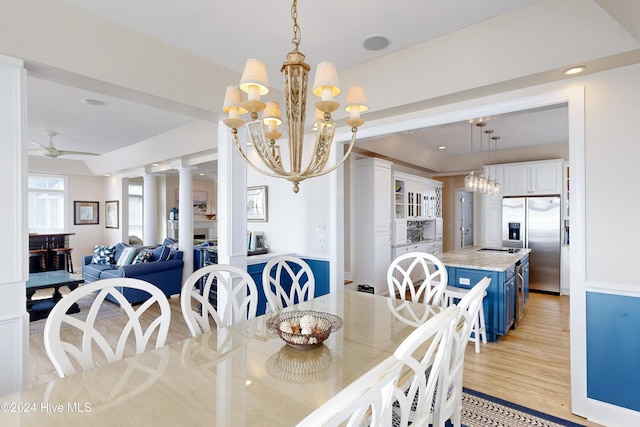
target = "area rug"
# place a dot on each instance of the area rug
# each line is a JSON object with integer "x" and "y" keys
{"x": 105, "y": 312}
{"x": 481, "y": 410}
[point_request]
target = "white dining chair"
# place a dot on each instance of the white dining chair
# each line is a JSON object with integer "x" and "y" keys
{"x": 478, "y": 332}
{"x": 448, "y": 403}
{"x": 423, "y": 354}
{"x": 69, "y": 358}
{"x": 417, "y": 276}
{"x": 287, "y": 280}
{"x": 366, "y": 401}
{"x": 236, "y": 297}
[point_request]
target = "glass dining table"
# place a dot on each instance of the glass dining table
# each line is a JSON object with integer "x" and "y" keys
{"x": 243, "y": 375}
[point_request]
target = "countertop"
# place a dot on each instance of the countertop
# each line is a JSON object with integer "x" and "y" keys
{"x": 469, "y": 257}
{"x": 409, "y": 243}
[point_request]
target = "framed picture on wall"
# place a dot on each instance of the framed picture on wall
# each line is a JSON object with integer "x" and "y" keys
{"x": 199, "y": 202}
{"x": 85, "y": 213}
{"x": 257, "y": 203}
{"x": 112, "y": 214}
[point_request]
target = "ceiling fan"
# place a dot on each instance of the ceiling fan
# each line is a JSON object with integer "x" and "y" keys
{"x": 52, "y": 152}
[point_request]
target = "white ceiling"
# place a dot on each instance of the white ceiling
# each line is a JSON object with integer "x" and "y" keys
{"x": 225, "y": 33}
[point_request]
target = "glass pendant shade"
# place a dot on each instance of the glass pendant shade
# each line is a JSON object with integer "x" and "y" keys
{"x": 482, "y": 184}
{"x": 490, "y": 186}
{"x": 470, "y": 182}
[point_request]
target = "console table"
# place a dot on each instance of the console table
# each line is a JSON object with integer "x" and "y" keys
{"x": 46, "y": 252}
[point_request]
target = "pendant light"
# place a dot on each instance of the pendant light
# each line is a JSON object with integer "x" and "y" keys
{"x": 470, "y": 181}
{"x": 481, "y": 185}
{"x": 490, "y": 183}
{"x": 496, "y": 187}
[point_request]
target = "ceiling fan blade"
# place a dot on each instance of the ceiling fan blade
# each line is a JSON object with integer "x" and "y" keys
{"x": 38, "y": 144}
{"x": 75, "y": 153}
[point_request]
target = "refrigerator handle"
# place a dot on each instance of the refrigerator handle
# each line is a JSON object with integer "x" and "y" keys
{"x": 525, "y": 239}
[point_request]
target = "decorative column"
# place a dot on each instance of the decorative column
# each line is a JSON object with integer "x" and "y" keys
{"x": 14, "y": 324}
{"x": 150, "y": 214}
{"x": 185, "y": 221}
{"x": 232, "y": 200}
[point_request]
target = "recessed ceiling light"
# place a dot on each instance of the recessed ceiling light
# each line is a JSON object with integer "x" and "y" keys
{"x": 442, "y": 147}
{"x": 155, "y": 164}
{"x": 94, "y": 102}
{"x": 574, "y": 70}
{"x": 376, "y": 43}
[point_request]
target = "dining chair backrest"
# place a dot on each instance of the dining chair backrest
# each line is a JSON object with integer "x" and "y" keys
{"x": 418, "y": 276}
{"x": 423, "y": 354}
{"x": 366, "y": 401}
{"x": 449, "y": 399}
{"x": 287, "y": 280}
{"x": 69, "y": 357}
{"x": 221, "y": 293}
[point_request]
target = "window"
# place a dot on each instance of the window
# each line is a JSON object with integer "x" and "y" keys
{"x": 135, "y": 210}
{"x": 47, "y": 201}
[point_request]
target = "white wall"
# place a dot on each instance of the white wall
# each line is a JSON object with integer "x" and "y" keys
{"x": 293, "y": 218}
{"x": 613, "y": 153}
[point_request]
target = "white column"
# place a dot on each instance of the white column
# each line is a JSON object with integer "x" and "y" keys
{"x": 14, "y": 270}
{"x": 150, "y": 220}
{"x": 232, "y": 201}
{"x": 185, "y": 219}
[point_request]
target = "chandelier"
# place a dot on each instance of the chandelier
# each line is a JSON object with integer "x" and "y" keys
{"x": 254, "y": 83}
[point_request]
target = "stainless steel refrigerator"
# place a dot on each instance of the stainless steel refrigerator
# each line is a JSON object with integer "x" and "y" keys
{"x": 534, "y": 223}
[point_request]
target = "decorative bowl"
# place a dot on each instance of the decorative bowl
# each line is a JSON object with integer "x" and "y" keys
{"x": 304, "y": 329}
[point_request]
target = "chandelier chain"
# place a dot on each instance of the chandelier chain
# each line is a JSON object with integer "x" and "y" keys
{"x": 297, "y": 36}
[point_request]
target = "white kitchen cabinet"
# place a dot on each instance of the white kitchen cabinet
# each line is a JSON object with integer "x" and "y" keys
{"x": 491, "y": 222}
{"x": 433, "y": 248}
{"x": 421, "y": 197}
{"x": 532, "y": 178}
{"x": 400, "y": 231}
{"x": 491, "y": 219}
{"x": 373, "y": 210}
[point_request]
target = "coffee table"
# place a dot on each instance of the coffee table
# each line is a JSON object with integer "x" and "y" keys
{"x": 40, "y": 309}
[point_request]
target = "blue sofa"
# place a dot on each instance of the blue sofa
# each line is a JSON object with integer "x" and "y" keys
{"x": 163, "y": 268}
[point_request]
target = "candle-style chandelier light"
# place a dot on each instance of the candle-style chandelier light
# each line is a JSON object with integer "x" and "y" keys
{"x": 254, "y": 83}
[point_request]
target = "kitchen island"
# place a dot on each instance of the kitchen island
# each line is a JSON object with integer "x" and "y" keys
{"x": 467, "y": 266}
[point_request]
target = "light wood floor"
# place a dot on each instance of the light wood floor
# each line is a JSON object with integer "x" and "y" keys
{"x": 530, "y": 366}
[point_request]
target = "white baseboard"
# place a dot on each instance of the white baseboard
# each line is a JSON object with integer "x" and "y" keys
{"x": 611, "y": 415}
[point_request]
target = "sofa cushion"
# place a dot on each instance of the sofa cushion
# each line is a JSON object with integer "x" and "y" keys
{"x": 93, "y": 271}
{"x": 103, "y": 255}
{"x": 144, "y": 255}
{"x": 161, "y": 253}
{"x": 127, "y": 256}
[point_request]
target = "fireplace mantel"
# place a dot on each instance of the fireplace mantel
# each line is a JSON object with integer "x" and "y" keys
{"x": 210, "y": 226}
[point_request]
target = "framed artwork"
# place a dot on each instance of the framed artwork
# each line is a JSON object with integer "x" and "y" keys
{"x": 112, "y": 214}
{"x": 199, "y": 202}
{"x": 257, "y": 203}
{"x": 85, "y": 213}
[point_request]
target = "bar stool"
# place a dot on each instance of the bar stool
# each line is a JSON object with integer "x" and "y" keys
{"x": 40, "y": 256}
{"x": 479, "y": 330}
{"x": 66, "y": 253}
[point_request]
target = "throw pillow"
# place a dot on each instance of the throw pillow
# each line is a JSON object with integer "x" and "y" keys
{"x": 161, "y": 253}
{"x": 142, "y": 256}
{"x": 103, "y": 255}
{"x": 127, "y": 256}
